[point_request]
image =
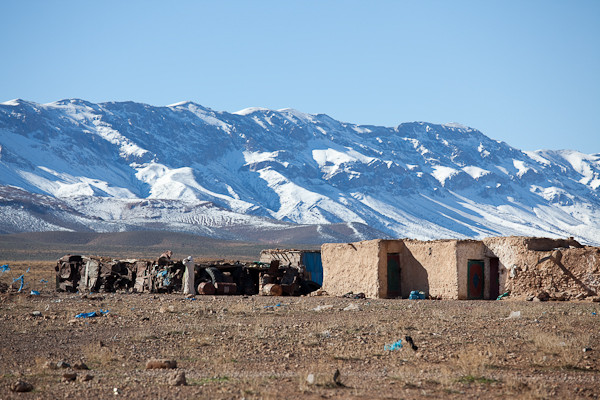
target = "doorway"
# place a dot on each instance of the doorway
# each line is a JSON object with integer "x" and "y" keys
{"x": 393, "y": 275}
{"x": 475, "y": 280}
{"x": 494, "y": 278}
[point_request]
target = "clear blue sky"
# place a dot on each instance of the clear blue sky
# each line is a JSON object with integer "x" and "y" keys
{"x": 525, "y": 72}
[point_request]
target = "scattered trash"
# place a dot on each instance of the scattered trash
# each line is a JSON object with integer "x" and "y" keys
{"x": 394, "y": 346}
{"x": 351, "y": 295}
{"x": 116, "y": 391}
{"x": 594, "y": 313}
{"x": 43, "y": 281}
{"x": 63, "y": 364}
{"x": 35, "y": 293}
{"x": 22, "y": 279}
{"x": 514, "y": 315}
{"x": 321, "y": 308}
{"x": 352, "y": 307}
{"x": 92, "y": 314}
{"x": 36, "y": 313}
{"x": 410, "y": 341}
{"x": 503, "y": 295}
{"x": 310, "y": 379}
{"x": 4, "y": 268}
{"x": 336, "y": 378}
{"x": 276, "y": 305}
{"x": 586, "y": 349}
{"x": 69, "y": 376}
{"x": 416, "y": 295}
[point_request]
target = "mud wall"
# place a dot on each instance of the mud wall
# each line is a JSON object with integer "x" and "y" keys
{"x": 430, "y": 267}
{"x": 351, "y": 267}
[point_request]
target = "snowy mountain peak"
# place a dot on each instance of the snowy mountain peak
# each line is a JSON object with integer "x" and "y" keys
{"x": 418, "y": 179}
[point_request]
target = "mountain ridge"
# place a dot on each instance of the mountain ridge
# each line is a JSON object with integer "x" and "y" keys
{"x": 266, "y": 167}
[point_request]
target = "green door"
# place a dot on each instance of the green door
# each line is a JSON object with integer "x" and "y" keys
{"x": 393, "y": 273}
{"x": 476, "y": 281}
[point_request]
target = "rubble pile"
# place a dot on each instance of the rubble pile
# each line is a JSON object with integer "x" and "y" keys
{"x": 561, "y": 274}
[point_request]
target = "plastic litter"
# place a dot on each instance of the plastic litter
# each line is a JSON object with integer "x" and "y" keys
{"x": 594, "y": 313}
{"x": 352, "y": 307}
{"x": 92, "y": 314}
{"x": 35, "y": 293}
{"x": 276, "y": 305}
{"x": 321, "y": 308}
{"x": 394, "y": 346}
{"x": 43, "y": 281}
{"x": 4, "y": 268}
{"x": 514, "y": 315}
{"x": 416, "y": 295}
{"x": 503, "y": 295}
{"x": 412, "y": 344}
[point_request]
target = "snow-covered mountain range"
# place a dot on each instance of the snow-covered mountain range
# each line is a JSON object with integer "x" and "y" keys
{"x": 258, "y": 173}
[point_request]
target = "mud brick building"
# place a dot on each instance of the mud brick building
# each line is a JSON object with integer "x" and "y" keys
{"x": 559, "y": 269}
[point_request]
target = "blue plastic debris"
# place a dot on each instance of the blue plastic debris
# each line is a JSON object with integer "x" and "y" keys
{"x": 4, "y": 268}
{"x": 276, "y": 305}
{"x": 43, "y": 281}
{"x": 416, "y": 295}
{"x": 594, "y": 313}
{"x": 503, "y": 295}
{"x": 162, "y": 273}
{"x": 35, "y": 293}
{"x": 91, "y": 314}
{"x": 394, "y": 346}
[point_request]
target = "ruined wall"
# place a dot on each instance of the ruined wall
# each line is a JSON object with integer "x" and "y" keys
{"x": 351, "y": 267}
{"x": 470, "y": 250}
{"x": 557, "y": 273}
{"x": 430, "y": 267}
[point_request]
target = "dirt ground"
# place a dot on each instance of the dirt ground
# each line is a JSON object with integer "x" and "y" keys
{"x": 235, "y": 347}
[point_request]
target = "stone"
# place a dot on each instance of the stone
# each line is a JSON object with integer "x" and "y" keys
{"x": 161, "y": 364}
{"x": 310, "y": 379}
{"x": 37, "y": 313}
{"x": 21, "y": 387}
{"x": 63, "y": 364}
{"x": 80, "y": 365}
{"x": 177, "y": 378}
{"x": 86, "y": 377}
{"x": 69, "y": 376}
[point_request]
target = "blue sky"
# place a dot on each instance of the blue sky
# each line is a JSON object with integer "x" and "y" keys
{"x": 525, "y": 72}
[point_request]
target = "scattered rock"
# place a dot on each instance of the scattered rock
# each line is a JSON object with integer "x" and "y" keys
{"x": 164, "y": 309}
{"x": 177, "y": 378}
{"x": 21, "y": 387}
{"x": 37, "y": 314}
{"x": 80, "y": 365}
{"x": 514, "y": 315}
{"x": 50, "y": 365}
{"x": 161, "y": 364}
{"x": 543, "y": 296}
{"x": 586, "y": 349}
{"x": 86, "y": 377}
{"x": 63, "y": 364}
{"x": 69, "y": 376}
{"x": 310, "y": 379}
{"x": 352, "y": 307}
{"x": 411, "y": 342}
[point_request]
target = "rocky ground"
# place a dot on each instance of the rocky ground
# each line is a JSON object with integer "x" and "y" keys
{"x": 287, "y": 347}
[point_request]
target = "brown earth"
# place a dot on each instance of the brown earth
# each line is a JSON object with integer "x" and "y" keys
{"x": 266, "y": 347}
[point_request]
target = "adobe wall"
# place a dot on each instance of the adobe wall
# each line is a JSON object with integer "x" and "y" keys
{"x": 430, "y": 267}
{"x": 470, "y": 250}
{"x": 562, "y": 273}
{"x": 351, "y": 267}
